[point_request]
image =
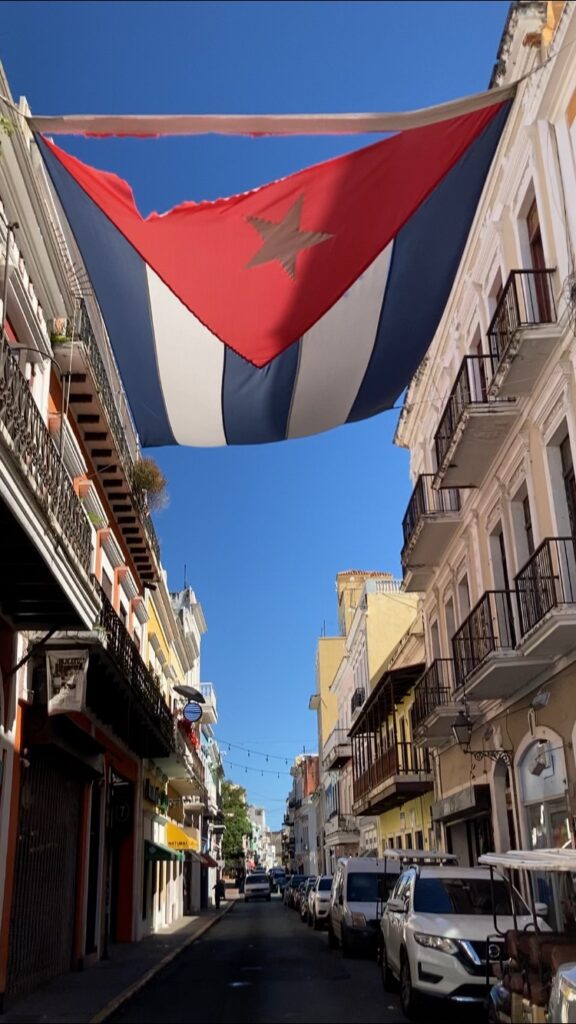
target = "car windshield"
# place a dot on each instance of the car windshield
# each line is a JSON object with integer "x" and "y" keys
{"x": 363, "y": 886}
{"x": 464, "y": 896}
{"x": 325, "y": 884}
{"x": 296, "y": 880}
{"x": 256, "y": 880}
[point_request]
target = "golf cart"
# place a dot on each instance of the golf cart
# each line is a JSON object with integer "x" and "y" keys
{"x": 532, "y": 988}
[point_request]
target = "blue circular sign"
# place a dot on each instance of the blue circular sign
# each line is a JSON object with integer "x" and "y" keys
{"x": 192, "y": 712}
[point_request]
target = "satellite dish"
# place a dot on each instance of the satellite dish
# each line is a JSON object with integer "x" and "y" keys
{"x": 192, "y": 712}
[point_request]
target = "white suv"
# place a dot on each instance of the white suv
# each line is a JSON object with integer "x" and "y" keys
{"x": 257, "y": 885}
{"x": 319, "y": 901}
{"x": 438, "y": 928}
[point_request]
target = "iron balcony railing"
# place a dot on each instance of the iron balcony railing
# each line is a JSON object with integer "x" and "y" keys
{"x": 146, "y": 690}
{"x": 400, "y": 758}
{"x": 357, "y": 699}
{"x": 427, "y": 500}
{"x": 86, "y": 336}
{"x": 488, "y": 628}
{"x": 547, "y": 581}
{"x": 527, "y": 300}
{"x": 38, "y": 458}
{"x": 434, "y": 688}
{"x": 470, "y": 388}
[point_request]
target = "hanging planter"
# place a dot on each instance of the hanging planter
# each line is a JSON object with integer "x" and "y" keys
{"x": 149, "y": 481}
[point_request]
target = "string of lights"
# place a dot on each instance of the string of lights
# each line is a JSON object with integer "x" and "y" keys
{"x": 259, "y": 771}
{"x": 254, "y": 753}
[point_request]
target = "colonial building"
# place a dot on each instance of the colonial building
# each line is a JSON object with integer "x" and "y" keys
{"x": 93, "y": 845}
{"x": 372, "y": 615}
{"x": 490, "y": 423}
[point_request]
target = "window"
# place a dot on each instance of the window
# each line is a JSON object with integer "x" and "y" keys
{"x": 527, "y": 515}
{"x": 463, "y": 597}
{"x": 569, "y": 482}
{"x": 398, "y": 842}
{"x": 107, "y": 585}
{"x": 435, "y": 640}
{"x": 363, "y": 886}
{"x": 419, "y": 841}
{"x": 464, "y": 896}
{"x": 450, "y": 619}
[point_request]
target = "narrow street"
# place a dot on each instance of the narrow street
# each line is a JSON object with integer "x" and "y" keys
{"x": 260, "y": 965}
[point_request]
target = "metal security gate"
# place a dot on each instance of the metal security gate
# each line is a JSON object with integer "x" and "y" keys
{"x": 42, "y": 924}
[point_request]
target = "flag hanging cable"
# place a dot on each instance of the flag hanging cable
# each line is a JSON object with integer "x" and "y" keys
{"x": 147, "y": 125}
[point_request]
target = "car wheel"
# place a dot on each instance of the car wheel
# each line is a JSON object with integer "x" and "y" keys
{"x": 268, "y": 898}
{"x": 388, "y": 980}
{"x": 332, "y": 940}
{"x": 310, "y": 919}
{"x": 246, "y": 899}
{"x": 315, "y": 923}
{"x": 408, "y": 998}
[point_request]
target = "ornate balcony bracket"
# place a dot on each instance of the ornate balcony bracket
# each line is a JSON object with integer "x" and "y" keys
{"x": 506, "y": 756}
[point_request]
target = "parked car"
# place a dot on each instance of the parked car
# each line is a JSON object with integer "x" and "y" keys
{"x": 275, "y": 874}
{"x": 257, "y": 886}
{"x": 303, "y": 907}
{"x": 319, "y": 901}
{"x": 299, "y": 893}
{"x": 438, "y": 929}
{"x": 291, "y": 886}
{"x": 355, "y": 899}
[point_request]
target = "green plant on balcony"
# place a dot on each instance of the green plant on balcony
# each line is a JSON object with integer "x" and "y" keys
{"x": 149, "y": 481}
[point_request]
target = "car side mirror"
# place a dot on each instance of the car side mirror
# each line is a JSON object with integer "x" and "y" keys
{"x": 397, "y": 906}
{"x": 542, "y": 909}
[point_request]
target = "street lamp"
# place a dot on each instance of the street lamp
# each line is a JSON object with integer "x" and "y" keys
{"x": 462, "y": 733}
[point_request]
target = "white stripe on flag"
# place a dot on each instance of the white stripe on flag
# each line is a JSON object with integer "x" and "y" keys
{"x": 335, "y": 352}
{"x": 190, "y": 363}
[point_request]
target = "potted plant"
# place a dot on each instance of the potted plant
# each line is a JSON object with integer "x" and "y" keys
{"x": 149, "y": 480}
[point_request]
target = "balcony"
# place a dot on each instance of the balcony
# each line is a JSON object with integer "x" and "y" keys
{"x": 97, "y": 417}
{"x": 356, "y": 701}
{"x": 209, "y": 709}
{"x": 124, "y": 694}
{"x": 435, "y": 706}
{"x": 342, "y": 829}
{"x": 45, "y": 535}
{"x": 523, "y": 332}
{"x": 389, "y": 777}
{"x": 431, "y": 519}
{"x": 337, "y": 750}
{"x": 487, "y": 664}
{"x": 546, "y": 589}
{"x": 473, "y": 426}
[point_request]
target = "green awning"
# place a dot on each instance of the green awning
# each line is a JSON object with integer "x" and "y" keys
{"x": 156, "y": 851}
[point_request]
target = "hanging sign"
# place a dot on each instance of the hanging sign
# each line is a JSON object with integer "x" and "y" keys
{"x": 66, "y": 673}
{"x": 192, "y": 712}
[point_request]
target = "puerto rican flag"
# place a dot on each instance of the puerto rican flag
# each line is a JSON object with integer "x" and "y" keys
{"x": 289, "y": 310}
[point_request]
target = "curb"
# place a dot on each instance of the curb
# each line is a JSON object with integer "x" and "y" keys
{"x": 135, "y": 987}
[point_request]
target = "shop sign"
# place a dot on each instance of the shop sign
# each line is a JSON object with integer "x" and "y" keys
{"x": 464, "y": 801}
{"x": 67, "y": 672}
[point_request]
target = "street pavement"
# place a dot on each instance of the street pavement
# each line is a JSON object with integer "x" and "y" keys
{"x": 260, "y": 965}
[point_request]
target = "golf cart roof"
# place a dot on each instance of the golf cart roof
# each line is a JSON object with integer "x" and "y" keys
{"x": 420, "y": 856}
{"x": 532, "y": 860}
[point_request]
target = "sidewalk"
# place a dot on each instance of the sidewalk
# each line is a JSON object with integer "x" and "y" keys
{"x": 92, "y": 995}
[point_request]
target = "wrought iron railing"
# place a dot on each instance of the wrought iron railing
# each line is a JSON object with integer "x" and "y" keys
{"x": 488, "y": 628}
{"x": 123, "y": 650}
{"x": 547, "y": 581}
{"x": 357, "y": 699}
{"x": 470, "y": 388}
{"x": 427, "y": 500}
{"x": 527, "y": 300}
{"x": 106, "y": 395}
{"x": 434, "y": 688}
{"x": 400, "y": 758}
{"x": 38, "y": 458}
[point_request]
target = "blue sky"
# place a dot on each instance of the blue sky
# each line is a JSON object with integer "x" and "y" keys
{"x": 263, "y": 530}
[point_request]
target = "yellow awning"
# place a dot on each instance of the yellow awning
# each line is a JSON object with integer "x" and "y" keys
{"x": 178, "y": 840}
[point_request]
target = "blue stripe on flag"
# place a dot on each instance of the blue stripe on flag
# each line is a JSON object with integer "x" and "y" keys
{"x": 425, "y": 260}
{"x": 118, "y": 276}
{"x": 256, "y": 401}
